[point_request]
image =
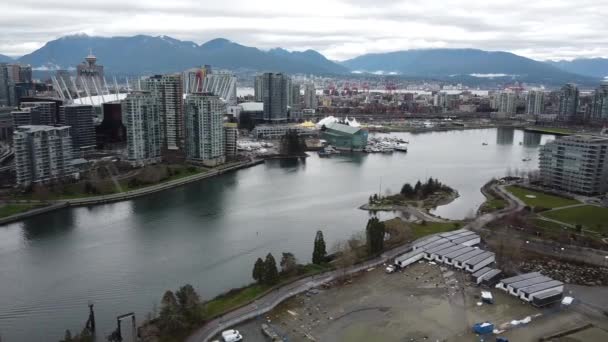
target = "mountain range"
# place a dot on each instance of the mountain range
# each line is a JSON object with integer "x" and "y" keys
{"x": 585, "y": 66}
{"x": 5, "y": 59}
{"x": 142, "y": 54}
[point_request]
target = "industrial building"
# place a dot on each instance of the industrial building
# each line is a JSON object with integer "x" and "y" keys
{"x": 205, "y": 129}
{"x": 344, "y": 137}
{"x": 577, "y": 163}
{"x": 409, "y": 258}
{"x": 487, "y": 276}
{"x": 42, "y": 154}
{"x": 534, "y": 288}
{"x": 479, "y": 261}
{"x": 141, "y": 115}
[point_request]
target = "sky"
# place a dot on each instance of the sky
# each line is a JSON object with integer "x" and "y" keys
{"x": 340, "y": 29}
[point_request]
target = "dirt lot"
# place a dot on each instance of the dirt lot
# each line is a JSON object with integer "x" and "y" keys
{"x": 423, "y": 303}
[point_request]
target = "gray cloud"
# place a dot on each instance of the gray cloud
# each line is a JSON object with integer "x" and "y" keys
{"x": 541, "y": 29}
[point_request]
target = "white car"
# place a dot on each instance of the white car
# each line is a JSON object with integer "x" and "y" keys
{"x": 231, "y": 335}
{"x": 390, "y": 268}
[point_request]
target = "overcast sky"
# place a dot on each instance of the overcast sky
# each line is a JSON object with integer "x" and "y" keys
{"x": 340, "y": 29}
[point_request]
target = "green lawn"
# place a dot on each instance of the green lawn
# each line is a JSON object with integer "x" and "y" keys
{"x": 493, "y": 205}
{"x": 589, "y": 216}
{"x": 419, "y": 230}
{"x": 540, "y": 199}
{"x": 12, "y": 209}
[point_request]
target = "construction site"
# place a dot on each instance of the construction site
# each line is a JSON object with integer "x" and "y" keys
{"x": 445, "y": 288}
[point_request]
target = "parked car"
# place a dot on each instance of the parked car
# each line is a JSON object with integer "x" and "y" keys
{"x": 231, "y": 335}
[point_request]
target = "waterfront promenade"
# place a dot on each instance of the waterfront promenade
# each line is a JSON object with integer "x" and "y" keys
{"x": 122, "y": 196}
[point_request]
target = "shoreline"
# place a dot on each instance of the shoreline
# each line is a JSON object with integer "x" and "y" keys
{"x": 420, "y": 213}
{"x": 104, "y": 199}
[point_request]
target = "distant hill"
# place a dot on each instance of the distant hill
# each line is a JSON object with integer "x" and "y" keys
{"x": 593, "y": 67}
{"x": 146, "y": 55}
{"x": 6, "y": 59}
{"x": 446, "y": 63}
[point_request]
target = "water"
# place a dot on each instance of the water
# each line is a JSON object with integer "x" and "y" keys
{"x": 123, "y": 256}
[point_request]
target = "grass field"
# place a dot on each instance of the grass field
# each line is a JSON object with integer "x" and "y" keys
{"x": 420, "y": 230}
{"x": 589, "y": 216}
{"x": 540, "y": 199}
{"x": 12, "y": 209}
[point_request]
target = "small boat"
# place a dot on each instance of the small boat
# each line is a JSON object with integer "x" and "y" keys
{"x": 526, "y": 159}
{"x": 401, "y": 147}
{"x": 484, "y": 144}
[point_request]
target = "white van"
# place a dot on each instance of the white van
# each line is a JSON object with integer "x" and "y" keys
{"x": 231, "y": 335}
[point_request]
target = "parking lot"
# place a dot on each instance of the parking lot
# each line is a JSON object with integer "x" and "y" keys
{"x": 425, "y": 302}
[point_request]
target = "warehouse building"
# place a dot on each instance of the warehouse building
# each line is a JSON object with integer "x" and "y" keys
{"x": 431, "y": 253}
{"x": 459, "y": 261}
{"x": 528, "y": 293}
{"x": 409, "y": 258}
{"x": 344, "y": 137}
{"x": 440, "y": 255}
{"x": 478, "y": 262}
{"x": 504, "y": 283}
{"x": 515, "y": 287}
{"x": 449, "y": 258}
{"x": 487, "y": 276}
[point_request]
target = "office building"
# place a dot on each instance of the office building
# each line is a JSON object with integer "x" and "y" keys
{"x": 258, "y": 88}
{"x": 506, "y": 102}
{"x": 47, "y": 111}
{"x": 169, "y": 90}
{"x": 231, "y": 135}
{"x": 204, "y": 129}
{"x": 568, "y": 102}
{"x": 42, "y": 154}
{"x": 310, "y": 97}
{"x": 141, "y": 116}
{"x": 111, "y": 131}
{"x": 275, "y": 96}
{"x": 535, "y": 103}
{"x": 577, "y": 164}
{"x": 7, "y": 87}
{"x": 82, "y": 130}
{"x": 20, "y": 73}
{"x": 295, "y": 97}
{"x": 599, "y": 108}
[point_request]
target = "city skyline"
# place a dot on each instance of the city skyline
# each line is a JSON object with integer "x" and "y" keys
{"x": 340, "y": 30}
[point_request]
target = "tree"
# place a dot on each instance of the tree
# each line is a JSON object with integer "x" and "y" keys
{"x": 68, "y": 336}
{"x": 407, "y": 190}
{"x": 375, "y": 231}
{"x": 319, "y": 253}
{"x": 288, "y": 263}
{"x": 271, "y": 274}
{"x": 189, "y": 304}
{"x": 170, "y": 319}
{"x": 417, "y": 187}
{"x": 258, "y": 270}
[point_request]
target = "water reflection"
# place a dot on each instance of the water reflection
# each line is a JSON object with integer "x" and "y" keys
{"x": 505, "y": 135}
{"x": 50, "y": 225}
{"x": 532, "y": 139}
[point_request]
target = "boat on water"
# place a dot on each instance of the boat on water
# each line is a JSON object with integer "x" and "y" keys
{"x": 327, "y": 151}
{"x": 484, "y": 144}
{"x": 526, "y": 159}
{"x": 402, "y": 147}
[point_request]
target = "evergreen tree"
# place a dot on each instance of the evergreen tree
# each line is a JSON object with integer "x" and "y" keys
{"x": 407, "y": 190}
{"x": 417, "y": 187}
{"x": 271, "y": 274}
{"x": 258, "y": 270}
{"x": 189, "y": 304}
{"x": 319, "y": 253}
{"x": 375, "y": 232}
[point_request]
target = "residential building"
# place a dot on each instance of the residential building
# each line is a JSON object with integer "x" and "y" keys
{"x": 47, "y": 111}
{"x": 6, "y": 125}
{"x": 295, "y": 97}
{"x": 111, "y": 131}
{"x": 231, "y": 134}
{"x": 26, "y": 116}
{"x": 310, "y": 96}
{"x": 277, "y": 131}
{"x": 599, "y": 111}
{"x": 577, "y": 163}
{"x": 82, "y": 130}
{"x": 204, "y": 129}
{"x": 506, "y": 102}
{"x": 345, "y": 137}
{"x": 535, "y": 103}
{"x": 42, "y": 154}
{"x": 141, "y": 116}
{"x": 568, "y": 102}
{"x": 20, "y": 73}
{"x": 275, "y": 96}
{"x": 169, "y": 90}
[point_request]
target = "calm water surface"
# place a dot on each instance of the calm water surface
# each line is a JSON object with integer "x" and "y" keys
{"x": 123, "y": 256}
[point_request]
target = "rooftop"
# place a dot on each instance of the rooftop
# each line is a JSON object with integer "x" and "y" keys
{"x": 342, "y": 128}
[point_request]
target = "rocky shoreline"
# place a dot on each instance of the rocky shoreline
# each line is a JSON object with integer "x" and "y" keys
{"x": 567, "y": 272}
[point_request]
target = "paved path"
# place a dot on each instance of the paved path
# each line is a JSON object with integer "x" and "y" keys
{"x": 268, "y": 302}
